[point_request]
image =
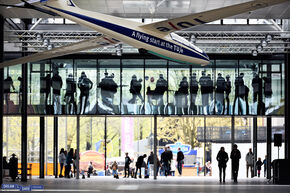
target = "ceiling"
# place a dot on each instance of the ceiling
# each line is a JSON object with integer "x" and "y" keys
{"x": 154, "y": 8}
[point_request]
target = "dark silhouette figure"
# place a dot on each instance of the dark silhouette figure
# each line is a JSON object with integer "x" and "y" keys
{"x": 222, "y": 158}
{"x": 69, "y": 161}
{"x": 228, "y": 89}
{"x": 127, "y": 165}
{"x": 193, "y": 93}
{"x": 166, "y": 158}
{"x": 20, "y": 91}
{"x": 150, "y": 163}
{"x": 71, "y": 107}
{"x": 13, "y": 167}
{"x": 135, "y": 89}
{"x": 259, "y": 164}
{"x": 257, "y": 92}
{"x": 210, "y": 86}
{"x": 241, "y": 93}
{"x": 56, "y": 84}
{"x": 205, "y": 91}
{"x": 85, "y": 85}
{"x": 139, "y": 164}
{"x": 267, "y": 90}
{"x": 235, "y": 156}
{"x": 45, "y": 88}
{"x": 220, "y": 94}
{"x": 181, "y": 96}
{"x": 179, "y": 159}
{"x": 7, "y": 84}
{"x": 160, "y": 89}
{"x": 108, "y": 89}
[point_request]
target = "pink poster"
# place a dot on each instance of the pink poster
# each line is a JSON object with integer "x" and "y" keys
{"x": 127, "y": 134}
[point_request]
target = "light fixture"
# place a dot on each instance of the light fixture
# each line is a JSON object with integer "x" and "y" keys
{"x": 259, "y": 48}
{"x": 264, "y": 43}
{"x": 254, "y": 52}
{"x": 46, "y": 42}
{"x": 269, "y": 37}
{"x": 192, "y": 39}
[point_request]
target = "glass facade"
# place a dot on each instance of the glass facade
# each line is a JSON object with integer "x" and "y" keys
{"x": 148, "y": 87}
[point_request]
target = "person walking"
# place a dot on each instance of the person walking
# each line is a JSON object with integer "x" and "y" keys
{"x": 259, "y": 164}
{"x": 250, "y": 162}
{"x": 150, "y": 163}
{"x": 127, "y": 165}
{"x": 139, "y": 164}
{"x": 61, "y": 159}
{"x": 235, "y": 156}
{"x": 13, "y": 167}
{"x": 165, "y": 161}
{"x": 222, "y": 158}
{"x": 265, "y": 166}
{"x": 180, "y": 162}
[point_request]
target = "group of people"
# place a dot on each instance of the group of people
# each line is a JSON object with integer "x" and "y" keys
{"x": 55, "y": 82}
{"x": 12, "y": 166}
{"x": 67, "y": 160}
{"x": 223, "y": 158}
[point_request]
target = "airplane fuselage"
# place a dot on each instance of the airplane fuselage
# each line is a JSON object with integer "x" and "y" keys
{"x": 131, "y": 33}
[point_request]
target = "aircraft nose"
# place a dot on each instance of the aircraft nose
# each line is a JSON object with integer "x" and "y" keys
{"x": 206, "y": 58}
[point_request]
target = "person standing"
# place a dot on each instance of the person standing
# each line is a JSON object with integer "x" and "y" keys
{"x": 228, "y": 90}
{"x": 235, "y": 156}
{"x": 265, "y": 166}
{"x": 135, "y": 89}
{"x": 56, "y": 84}
{"x": 61, "y": 159}
{"x": 139, "y": 164}
{"x": 71, "y": 107}
{"x": 179, "y": 159}
{"x": 250, "y": 162}
{"x": 165, "y": 161}
{"x": 69, "y": 161}
{"x": 220, "y": 94}
{"x": 150, "y": 163}
{"x": 204, "y": 88}
{"x": 13, "y": 167}
{"x": 222, "y": 158}
{"x": 259, "y": 164}
{"x": 85, "y": 85}
{"x": 193, "y": 93}
{"x": 127, "y": 164}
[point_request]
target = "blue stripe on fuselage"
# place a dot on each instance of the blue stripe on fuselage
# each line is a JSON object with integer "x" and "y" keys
{"x": 137, "y": 35}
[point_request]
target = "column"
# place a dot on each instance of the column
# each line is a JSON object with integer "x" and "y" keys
{"x": 78, "y": 148}
{"x": 269, "y": 146}
{"x": 255, "y": 142}
{"x": 55, "y": 146}
{"x": 1, "y": 94}
{"x": 155, "y": 147}
{"x": 287, "y": 135}
{"x": 41, "y": 147}
{"x": 232, "y": 140}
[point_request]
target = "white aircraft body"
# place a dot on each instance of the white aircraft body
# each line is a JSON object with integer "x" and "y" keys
{"x": 155, "y": 38}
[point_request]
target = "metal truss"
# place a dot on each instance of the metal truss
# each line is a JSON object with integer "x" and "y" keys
{"x": 235, "y": 42}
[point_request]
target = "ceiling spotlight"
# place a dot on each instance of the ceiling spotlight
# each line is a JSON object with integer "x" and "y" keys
{"x": 264, "y": 43}
{"x": 269, "y": 37}
{"x": 192, "y": 38}
{"x": 259, "y": 48}
{"x": 254, "y": 52}
{"x": 46, "y": 42}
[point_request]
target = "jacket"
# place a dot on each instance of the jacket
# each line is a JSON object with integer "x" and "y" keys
{"x": 250, "y": 158}
{"x": 222, "y": 157}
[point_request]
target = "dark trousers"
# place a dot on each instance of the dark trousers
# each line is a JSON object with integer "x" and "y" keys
{"x": 127, "y": 169}
{"x": 138, "y": 168}
{"x": 67, "y": 170}
{"x": 166, "y": 168}
{"x": 179, "y": 167}
{"x": 235, "y": 171}
{"x": 222, "y": 169}
{"x": 61, "y": 167}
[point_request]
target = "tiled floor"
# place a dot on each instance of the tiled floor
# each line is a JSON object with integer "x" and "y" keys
{"x": 162, "y": 185}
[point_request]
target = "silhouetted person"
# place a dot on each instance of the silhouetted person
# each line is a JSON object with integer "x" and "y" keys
{"x": 267, "y": 90}
{"x": 257, "y": 92}
{"x": 193, "y": 93}
{"x": 160, "y": 89}
{"x": 181, "y": 96}
{"x": 265, "y": 166}
{"x": 20, "y": 91}
{"x": 179, "y": 159}
{"x": 166, "y": 157}
{"x": 61, "y": 159}
{"x": 204, "y": 88}
{"x": 7, "y": 85}
{"x": 13, "y": 167}
{"x": 139, "y": 164}
{"x": 259, "y": 164}
{"x": 56, "y": 84}
{"x": 250, "y": 159}
{"x": 222, "y": 158}
{"x": 210, "y": 86}
{"x": 45, "y": 83}
{"x": 127, "y": 165}
{"x": 241, "y": 93}
{"x": 228, "y": 89}
{"x": 220, "y": 93}
{"x": 85, "y": 85}
{"x": 235, "y": 156}
{"x": 69, "y": 97}
{"x": 69, "y": 161}
{"x": 108, "y": 89}
{"x": 135, "y": 89}
{"x": 5, "y": 163}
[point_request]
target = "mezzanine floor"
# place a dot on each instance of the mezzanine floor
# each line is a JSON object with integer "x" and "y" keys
{"x": 162, "y": 185}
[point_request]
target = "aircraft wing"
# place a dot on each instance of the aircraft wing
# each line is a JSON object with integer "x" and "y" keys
{"x": 97, "y": 42}
{"x": 171, "y": 25}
